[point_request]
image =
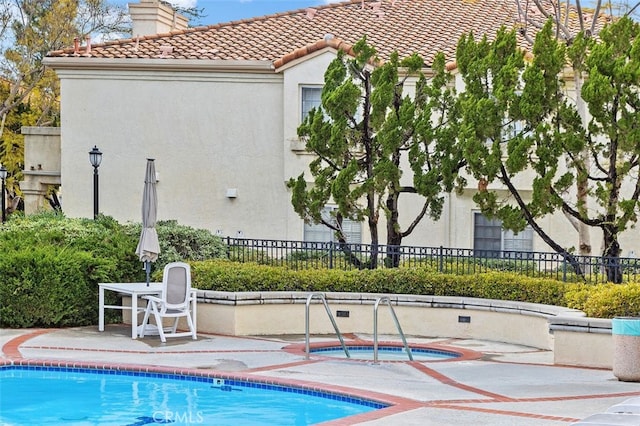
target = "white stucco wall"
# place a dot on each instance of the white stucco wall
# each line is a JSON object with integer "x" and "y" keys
{"x": 296, "y": 75}
{"x": 208, "y": 132}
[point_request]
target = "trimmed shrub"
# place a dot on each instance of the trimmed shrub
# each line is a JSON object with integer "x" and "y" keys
{"x": 103, "y": 238}
{"x": 47, "y": 287}
{"x": 51, "y": 265}
{"x": 606, "y": 300}
{"x": 180, "y": 242}
{"x": 232, "y": 276}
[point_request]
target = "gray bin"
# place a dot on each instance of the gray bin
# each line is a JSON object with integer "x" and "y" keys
{"x": 626, "y": 347}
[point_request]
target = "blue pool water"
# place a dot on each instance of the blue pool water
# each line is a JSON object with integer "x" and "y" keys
{"x": 385, "y": 353}
{"x": 60, "y": 396}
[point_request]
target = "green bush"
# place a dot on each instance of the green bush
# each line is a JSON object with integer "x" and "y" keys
{"x": 180, "y": 242}
{"x": 103, "y": 238}
{"x": 51, "y": 265}
{"x": 232, "y": 276}
{"x": 47, "y": 287}
{"x": 606, "y": 300}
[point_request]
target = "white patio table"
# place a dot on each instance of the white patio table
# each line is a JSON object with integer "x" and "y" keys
{"x": 135, "y": 290}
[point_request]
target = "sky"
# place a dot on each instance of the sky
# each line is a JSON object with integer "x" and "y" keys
{"x": 230, "y": 10}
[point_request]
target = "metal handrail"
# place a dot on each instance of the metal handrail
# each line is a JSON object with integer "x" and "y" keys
{"x": 333, "y": 321}
{"x": 375, "y": 328}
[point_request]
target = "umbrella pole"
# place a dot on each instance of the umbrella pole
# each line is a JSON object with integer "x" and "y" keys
{"x": 147, "y": 268}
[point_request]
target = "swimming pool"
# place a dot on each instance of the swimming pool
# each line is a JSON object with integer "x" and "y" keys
{"x": 86, "y": 396}
{"x": 385, "y": 353}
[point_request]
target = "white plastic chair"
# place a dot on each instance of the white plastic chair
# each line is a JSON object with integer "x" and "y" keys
{"x": 174, "y": 302}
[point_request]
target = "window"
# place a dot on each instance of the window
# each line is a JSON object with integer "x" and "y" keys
{"x": 490, "y": 240}
{"x": 320, "y": 233}
{"x": 310, "y": 99}
{"x": 517, "y": 128}
{"x": 521, "y": 242}
{"x": 487, "y": 236}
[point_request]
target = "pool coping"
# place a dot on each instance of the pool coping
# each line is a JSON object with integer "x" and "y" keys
{"x": 478, "y": 394}
{"x": 464, "y": 354}
{"x": 390, "y": 404}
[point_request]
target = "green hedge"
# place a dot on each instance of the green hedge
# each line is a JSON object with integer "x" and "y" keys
{"x": 606, "y": 300}
{"x": 598, "y": 301}
{"x": 50, "y": 265}
{"x": 180, "y": 242}
{"x": 104, "y": 239}
{"x": 42, "y": 287}
{"x": 232, "y": 276}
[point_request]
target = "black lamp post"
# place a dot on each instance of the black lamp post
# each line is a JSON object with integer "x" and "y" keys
{"x": 3, "y": 177}
{"x": 95, "y": 157}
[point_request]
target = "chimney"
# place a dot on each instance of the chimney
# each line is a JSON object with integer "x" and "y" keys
{"x": 152, "y": 17}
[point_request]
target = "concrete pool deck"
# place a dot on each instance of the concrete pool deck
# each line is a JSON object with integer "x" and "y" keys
{"x": 505, "y": 384}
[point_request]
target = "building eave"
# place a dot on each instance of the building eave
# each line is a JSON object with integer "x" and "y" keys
{"x": 180, "y": 65}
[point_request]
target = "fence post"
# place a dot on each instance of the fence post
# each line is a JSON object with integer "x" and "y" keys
{"x": 441, "y": 259}
{"x": 228, "y": 247}
{"x": 564, "y": 268}
{"x": 330, "y": 254}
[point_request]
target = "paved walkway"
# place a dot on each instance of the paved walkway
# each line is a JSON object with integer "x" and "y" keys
{"x": 493, "y": 384}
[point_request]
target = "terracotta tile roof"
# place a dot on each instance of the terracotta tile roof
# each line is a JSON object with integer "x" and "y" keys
{"x": 408, "y": 26}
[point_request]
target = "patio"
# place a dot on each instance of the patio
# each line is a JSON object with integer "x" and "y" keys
{"x": 510, "y": 384}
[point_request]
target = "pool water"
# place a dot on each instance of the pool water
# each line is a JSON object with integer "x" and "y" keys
{"x": 385, "y": 353}
{"x": 58, "y": 396}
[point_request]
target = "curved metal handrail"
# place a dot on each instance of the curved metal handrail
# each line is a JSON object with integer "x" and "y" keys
{"x": 333, "y": 321}
{"x": 375, "y": 328}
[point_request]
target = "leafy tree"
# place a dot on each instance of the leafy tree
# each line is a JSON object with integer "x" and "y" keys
{"x": 194, "y": 14}
{"x": 367, "y": 134}
{"x": 518, "y": 121}
{"x": 12, "y": 142}
{"x": 35, "y": 27}
{"x": 29, "y": 92}
{"x": 572, "y": 18}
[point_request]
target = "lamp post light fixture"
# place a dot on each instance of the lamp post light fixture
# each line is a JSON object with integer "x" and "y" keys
{"x": 3, "y": 177}
{"x": 95, "y": 157}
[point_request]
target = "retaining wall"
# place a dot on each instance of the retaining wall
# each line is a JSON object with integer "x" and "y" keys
{"x": 574, "y": 339}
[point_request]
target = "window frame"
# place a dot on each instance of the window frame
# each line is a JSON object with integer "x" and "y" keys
{"x": 307, "y": 104}
{"x": 327, "y": 234}
{"x": 511, "y": 244}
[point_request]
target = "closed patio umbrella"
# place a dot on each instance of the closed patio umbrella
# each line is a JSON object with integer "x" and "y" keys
{"x": 148, "y": 246}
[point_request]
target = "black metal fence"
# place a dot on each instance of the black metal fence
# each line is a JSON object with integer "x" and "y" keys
{"x": 332, "y": 255}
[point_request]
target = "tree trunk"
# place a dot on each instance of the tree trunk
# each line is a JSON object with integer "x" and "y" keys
{"x": 375, "y": 241}
{"x": 394, "y": 238}
{"x": 611, "y": 255}
{"x": 582, "y": 183}
{"x": 345, "y": 248}
{"x": 505, "y": 179}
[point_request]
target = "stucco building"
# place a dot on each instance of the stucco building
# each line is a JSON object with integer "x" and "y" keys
{"x": 217, "y": 107}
